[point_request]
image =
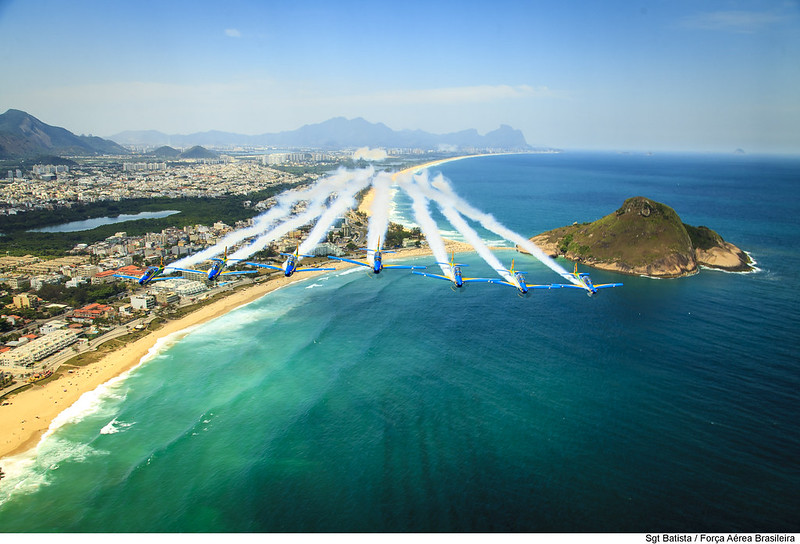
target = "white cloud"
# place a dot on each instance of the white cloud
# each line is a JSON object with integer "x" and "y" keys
{"x": 232, "y": 33}
{"x": 733, "y": 21}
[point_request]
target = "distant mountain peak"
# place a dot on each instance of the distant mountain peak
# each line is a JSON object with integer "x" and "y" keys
{"x": 337, "y": 133}
{"x": 22, "y": 135}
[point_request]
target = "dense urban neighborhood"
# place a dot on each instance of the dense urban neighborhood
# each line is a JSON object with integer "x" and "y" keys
{"x": 54, "y": 306}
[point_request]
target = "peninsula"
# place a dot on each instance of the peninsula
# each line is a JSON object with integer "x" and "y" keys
{"x": 644, "y": 237}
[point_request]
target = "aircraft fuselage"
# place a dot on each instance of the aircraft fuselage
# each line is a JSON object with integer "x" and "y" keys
{"x": 215, "y": 270}
{"x": 376, "y": 263}
{"x": 290, "y": 266}
{"x": 587, "y": 282}
{"x": 521, "y": 285}
{"x": 150, "y": 274}
{"x": 458, "y": 279}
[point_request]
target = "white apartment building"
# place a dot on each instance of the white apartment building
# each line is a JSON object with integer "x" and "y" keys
{"x": 52, "y": 326}
{"x": 180, "y": 286}
{"x": 143, "y": 302}
{"x": 39, "y": 348}
{"x": 326, "y": 248}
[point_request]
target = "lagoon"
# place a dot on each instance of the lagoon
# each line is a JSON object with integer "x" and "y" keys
{"x": 89, "y": 224}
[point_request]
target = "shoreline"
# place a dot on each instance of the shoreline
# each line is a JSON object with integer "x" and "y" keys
{"x": 31, "y": 413}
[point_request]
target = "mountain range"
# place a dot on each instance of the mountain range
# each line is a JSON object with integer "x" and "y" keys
{"x": 336, "y": 133}
{"x": 22, "y": 135}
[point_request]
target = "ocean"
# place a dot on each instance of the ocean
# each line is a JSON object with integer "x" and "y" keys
{"x": 360, "y": 403}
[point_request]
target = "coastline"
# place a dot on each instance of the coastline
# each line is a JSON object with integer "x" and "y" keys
{"x": 30, "y": 413}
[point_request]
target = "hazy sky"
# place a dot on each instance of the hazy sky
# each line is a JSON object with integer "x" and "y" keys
{"x": 635, "y": 75}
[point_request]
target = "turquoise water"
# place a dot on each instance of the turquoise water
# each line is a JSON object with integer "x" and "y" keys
{"x": 355, "y": 402}
{"x": 88, "y": 224}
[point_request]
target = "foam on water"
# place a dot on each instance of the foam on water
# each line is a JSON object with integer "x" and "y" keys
{"x": 114, "y": 426}
{"x": 27, "y": 471}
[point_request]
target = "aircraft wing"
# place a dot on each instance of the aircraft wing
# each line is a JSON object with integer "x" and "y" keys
{"x": 605, "y": 285}
{"x": 163, "y": 278}
{"x": 404, "y": 267}
{"x": 126, "y": 277}
{"x": 501, "y": 282}
{"x": 476, "y": 280}
{"x": 551, "y": 286}
{"x": 350, "y": 261}
{"x": 437, "y": 276}
{"x": 312, "y": 269}
{"x": 270, "y": 266}
{"x": 571, "y": 286}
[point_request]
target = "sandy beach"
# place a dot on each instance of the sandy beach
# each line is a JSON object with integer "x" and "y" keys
{"x": 29, "y": 414}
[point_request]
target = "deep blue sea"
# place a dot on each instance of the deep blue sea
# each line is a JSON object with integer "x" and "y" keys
{"x": 360, "y": 403}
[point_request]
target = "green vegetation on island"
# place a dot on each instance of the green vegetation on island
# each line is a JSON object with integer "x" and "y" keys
{"x": 644, "y": 237}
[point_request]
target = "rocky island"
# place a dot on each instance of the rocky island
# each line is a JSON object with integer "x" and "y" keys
{"x": 644, "y": 237}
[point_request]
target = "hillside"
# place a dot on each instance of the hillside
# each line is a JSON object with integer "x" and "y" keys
{"x": 24, "y": 136}
{"x": 165, "y": 152}
{"x": 644, "y": 237}
{"x": 198, "y": 152}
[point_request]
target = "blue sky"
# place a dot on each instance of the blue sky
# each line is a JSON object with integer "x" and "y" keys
{"x": 666, "y": 75}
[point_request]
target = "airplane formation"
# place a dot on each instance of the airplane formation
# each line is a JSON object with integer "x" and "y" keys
{"x": 330, "y": 197}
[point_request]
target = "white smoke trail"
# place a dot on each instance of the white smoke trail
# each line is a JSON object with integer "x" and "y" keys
{"x": 281, "y": 209}
{"x": 474, "y": 239}
{"x": 447, "y": 202}
{"x": 335, "y": 183}
{"x": 379, "y": 212}
{"x": 231, "y": 239}
{"x": 344, "y": 202}
{"x": 426, "y": 222}
{"x": 490, "y": 223}
{"x": 368, "y": 154}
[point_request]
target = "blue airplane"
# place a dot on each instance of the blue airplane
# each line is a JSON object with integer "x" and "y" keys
{"x": 216, "y": 270}
{"x": 153, "y": 273}
{"x": 454, "y": 275}
{"x": 290, "y": 266}
{"x": 520, "y": 284}
{"x": 377, "y": 261}
{"x": 586, "y": 283}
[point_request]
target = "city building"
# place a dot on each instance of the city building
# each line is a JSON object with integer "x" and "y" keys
{"x": 143, "y": 302}
{"x": 144, "y": 166}
{"x": 326, "y": 248}
{"x": 26, "y": 300}
{"x": 52, "y": 326}
{"x": 167, "y": 297}
{"x": 38, "y": 349}
{"x": 181, "y": 286}
{"x": 93, "y": 311}
{"x": 18, "y": 282}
